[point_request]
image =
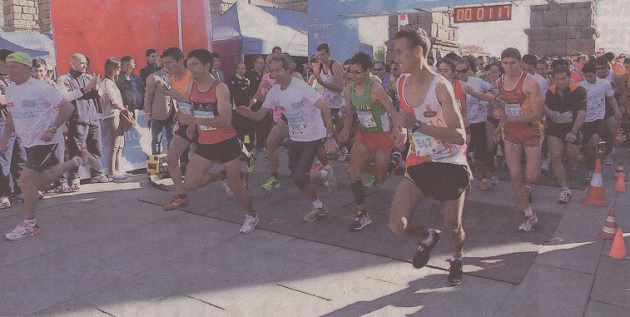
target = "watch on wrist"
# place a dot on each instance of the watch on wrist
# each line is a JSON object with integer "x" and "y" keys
{"x": 52, "y": 129}
{"x": 329, "y": 135}
{"x": 416, "y": 126}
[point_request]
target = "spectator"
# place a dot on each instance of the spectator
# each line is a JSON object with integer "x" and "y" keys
{"x": 216, "y": 64}
{"x": 131, "y": 86}
{"x": 152, "y": 64}
{"x": 112, "y": 104}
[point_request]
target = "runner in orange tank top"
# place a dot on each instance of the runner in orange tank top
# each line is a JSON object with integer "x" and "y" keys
{"x": 520, "y": 126}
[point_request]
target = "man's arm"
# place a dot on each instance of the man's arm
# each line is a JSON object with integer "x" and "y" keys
{"x": 149, "y": 95}
{"x": 331, "y": 144}
{"x": 337, "y": 84}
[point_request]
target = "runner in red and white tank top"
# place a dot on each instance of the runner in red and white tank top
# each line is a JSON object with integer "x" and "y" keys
{"x": 205, "y": 105}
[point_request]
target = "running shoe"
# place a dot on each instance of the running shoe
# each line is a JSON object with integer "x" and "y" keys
{"x": 101, "y": 179}
{"x": 23, "y": 230}
{"x": 330, "y": 182}
{"x": 529, "y": 222}
{"x": 361, "y": 220}
{"x": 5, "y": 203}
{"x": 75, "y": 185}
{"x": 63, "y": 188}
{"x": 176, "y": 202}
{"x": 455, "y": 272}
{"x": 342, "y": 154}
{"x": 421, "y": 258}
{"x": 271, "y": 183}
{"x": 251, "y": 161}
{"x": 494, "y": 181}
{"x": 371, "y": 182}
{"x": 565, "y": 196}
{"x": 249, "y": 224}
{"x": 589, "y": 176}
{"x": 315, "y": 213}
{"x": 318, "y": 167}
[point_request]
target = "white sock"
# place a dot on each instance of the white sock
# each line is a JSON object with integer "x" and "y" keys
{"x": 31, "y": 222}
{"x": 456, "y": 259}
{"x": 318, "y": 203}
{"x": 528, "y": 212}
{"x": 429, "y": 240}
{"x": 78, "y": 160}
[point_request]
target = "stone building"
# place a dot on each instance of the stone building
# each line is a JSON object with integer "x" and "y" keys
{"x": 563, "y": 28}
{"x": 25, "y": 15}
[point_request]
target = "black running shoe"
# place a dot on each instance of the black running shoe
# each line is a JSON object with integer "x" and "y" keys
{"x": 421, "y": 258}
{"x": 455, "y": 273}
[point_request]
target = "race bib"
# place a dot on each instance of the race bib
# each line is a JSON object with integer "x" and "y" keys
{"x": 204, "y": 115}
{"x": 513, "y": 109}
{"x": 425, "y": 145}
{"x": 184, "y": 107}
{"x": 563, "y": 117}
{"x": 297, "y": 125}
{"x": 594, "y": 104}
{"x": 366, "y": 119}
{"x": 328, "y": 96}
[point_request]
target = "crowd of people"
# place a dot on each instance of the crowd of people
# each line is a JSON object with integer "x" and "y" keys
{"x": 437, "y": 125}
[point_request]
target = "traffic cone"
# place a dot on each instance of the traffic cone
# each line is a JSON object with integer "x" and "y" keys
{"x": 618, "y": 248}
{"x": 620, "y": 186}
{"x": 595, "y": 196}
{"x": 619, "y": 168}
{"x": 610, "y": 226}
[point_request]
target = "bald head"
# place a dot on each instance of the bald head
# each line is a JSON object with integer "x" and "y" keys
{"x": 78, "y": 62}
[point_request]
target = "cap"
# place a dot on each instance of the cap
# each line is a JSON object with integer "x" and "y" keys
{"x": 21, "y": 58}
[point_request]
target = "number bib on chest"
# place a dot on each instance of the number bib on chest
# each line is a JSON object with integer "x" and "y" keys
{"x": 297, "y": 124}
{"x": 563, "y": 117}
{"x": 204, "y": 115}
{"x": 425, "y": 145}
{"x": 513, "y": 109}
{"x": 366, "y": 119}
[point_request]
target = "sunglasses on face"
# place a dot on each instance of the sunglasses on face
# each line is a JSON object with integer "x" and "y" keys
{"x": 462, "y": 71}
{"x": 395, "y": 68}
{"x": 350, "y": 71}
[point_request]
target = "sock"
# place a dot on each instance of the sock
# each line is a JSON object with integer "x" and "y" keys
{"x": 31, "y": 222}
{"x": 429, "y": 240}
{"x": 358, "y": 193}
{"x": 275, "y": 175}
{"x": 318, "y": 203}
{"x": 78, "y": 160}
{"x": 456, "y": 259}
{"x": 528, "y": 211}
{"x": 324, "y": 173}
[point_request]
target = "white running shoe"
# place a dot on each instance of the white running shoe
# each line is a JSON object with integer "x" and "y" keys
{"x": 249, "y": 224}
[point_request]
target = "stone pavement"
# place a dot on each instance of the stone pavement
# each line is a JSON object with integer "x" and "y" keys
{"x": 109, "y": 250}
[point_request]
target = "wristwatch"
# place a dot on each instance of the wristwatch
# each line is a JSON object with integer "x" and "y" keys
{"x": 329, "y": 135}
{"x": 52, "y": 129}
{"x": 416, "y": 126}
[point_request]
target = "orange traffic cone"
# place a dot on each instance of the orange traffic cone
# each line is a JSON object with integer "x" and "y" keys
{"x": 619, "y": 168}
{"x": 618, "y": 248}
{"x": 620, "y": 186}
{"x": 610, "y": 226}
{"x": 595, "y": 196}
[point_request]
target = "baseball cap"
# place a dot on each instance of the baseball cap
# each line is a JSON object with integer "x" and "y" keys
{"x": 21, "y": 58}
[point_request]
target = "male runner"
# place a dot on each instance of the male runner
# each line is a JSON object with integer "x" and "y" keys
{"x": 436, "y": 161}
{"x": 520, "y": 128}
{"x": 217, "y": 141}
{"x": 374, "y": 109}
{"x": 309, "y": 122}
{"x": 565, "y": 109}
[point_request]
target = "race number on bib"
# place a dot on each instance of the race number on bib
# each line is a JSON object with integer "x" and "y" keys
{"x": 297, "y": 125}
{"x": 204, "y": 115}
{"x": 426, "y": 145}
{"x": 366, "y": 119}
{"x": 513, "y": 109}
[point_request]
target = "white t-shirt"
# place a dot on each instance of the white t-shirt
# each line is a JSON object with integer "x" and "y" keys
{"x": 111, "y": 94}
{"x": 33, "y": 108}
{"x": 298, "y": 104}
{"x": 477, "y": 110}
{"x": 543, "y": 83}
{"x": 596, "y": 98}
{"x": 332, "y": 98}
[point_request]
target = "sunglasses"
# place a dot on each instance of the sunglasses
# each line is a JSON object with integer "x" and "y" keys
{"x": 395, "y": 68}
{"x": 350, "y": 71}
{"x": 462, "y": 71}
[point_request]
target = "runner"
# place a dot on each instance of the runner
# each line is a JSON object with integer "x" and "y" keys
{"x": 436, "y": 161}
{"x": 368, "y": 99}
{"x": 598, "y": 93}
{"x": 217, "y": 142}
{"x": 309, "y": 121}
{"x": 36, "y": 110}
{"x": 520, "y": 128}
{"x": 565, "y": 109}
{"x": 613, "y": 115}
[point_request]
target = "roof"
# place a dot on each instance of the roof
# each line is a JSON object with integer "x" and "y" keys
{"x": 34, "y": 44}
{"x": 262, "y": 28}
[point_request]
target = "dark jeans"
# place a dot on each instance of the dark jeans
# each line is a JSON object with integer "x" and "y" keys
{"x": 301, "y": 158}
{"x": 18, "y": 158}
{"x": 88, "y": 136}
{"x": 157, "y": 129}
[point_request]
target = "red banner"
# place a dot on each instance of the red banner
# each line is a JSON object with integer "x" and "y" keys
{"x": 114, "y": 28}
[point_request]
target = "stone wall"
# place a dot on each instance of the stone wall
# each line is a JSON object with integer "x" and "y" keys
{"x": 563, "y": 28}
{"x": 20, "y": 15}
{"x": 44, "y": 16}
{"x": 438, "y": 25}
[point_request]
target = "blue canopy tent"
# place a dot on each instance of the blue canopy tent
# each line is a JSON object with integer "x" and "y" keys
{"x": 34, "y": 44}
{"x": 17, "y": 48}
